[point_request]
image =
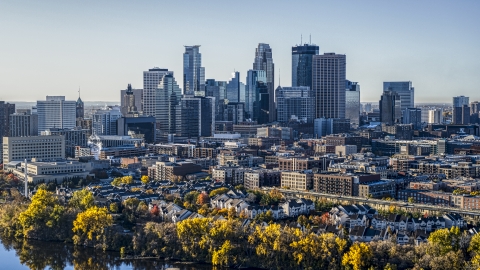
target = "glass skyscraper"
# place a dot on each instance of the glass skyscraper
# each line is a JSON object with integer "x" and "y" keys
{"x": 236, "y": 89}
{"x": 264, "y": 61}
{"x": 151, "y": 80}
{"x": 302, "y": 64}
{"x": 255, "y": 80}
{"x": 352, "y": 103}
{"x": 168, "y": 97}
{"x": 295, "y": 103}
{"x": 193, "y": 72}
{"x": 404, "y": 90}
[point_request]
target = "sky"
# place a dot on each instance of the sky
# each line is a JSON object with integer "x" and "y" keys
{"x": 56, "y": 47}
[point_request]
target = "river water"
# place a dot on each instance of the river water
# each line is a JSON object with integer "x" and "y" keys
{"x": 23, "y": 254}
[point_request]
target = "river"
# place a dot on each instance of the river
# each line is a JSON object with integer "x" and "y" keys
{"x": 23, "y": 254}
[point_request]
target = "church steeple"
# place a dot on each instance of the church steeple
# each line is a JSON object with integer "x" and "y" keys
{"x": 80, "y": 113}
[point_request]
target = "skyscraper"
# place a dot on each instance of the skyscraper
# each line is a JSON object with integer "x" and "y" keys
{"x": 56, "y": 112}
{"x": 193, "y": 72}
{"x": 125, "y": 99}
{"x": 302, "y": 56}
{"x": 235, "y": 89}
{"x": 413, "y": 116}
{"x": 151, "y": 80}
{"x": 390, "y": 108}
{"x": 461, "y": 111}
{"x": 328, "y": 81}
{"x": 6, "y": 109}
{"x": 79, "y": 108}
{"x": 264, "y": 61}
{"x": 104, "y": 122}
{"x": 195, "y": 117}
{"x": 218, "y": 90}
{"x": 435, "y": 116}
{"x": 23, "y": 124}
{"x": 352, "y": 102}
{"x": 295, "y": 103}
{"x": 404, "y": 90}
{"x": 168, "y": 97}
{"x": 256, "y": 79}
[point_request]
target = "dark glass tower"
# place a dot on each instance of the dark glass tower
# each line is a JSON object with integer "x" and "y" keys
{"x": 264, "y": 61}
{"x": 193, "y": 72}
{"x": 302, "y": 64}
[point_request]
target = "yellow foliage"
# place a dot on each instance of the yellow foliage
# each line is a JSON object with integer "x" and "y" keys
{"x": 92, "y": 222}
{"x": 44, "y": 210}
{"x": 358, "y": 256}
{"x": 145, "y": 179}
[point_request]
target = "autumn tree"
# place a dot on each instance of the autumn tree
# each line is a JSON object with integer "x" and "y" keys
{"x": 219, "y": 191}
{"x": 223, "y": 256}
{"x": 358, "y": 256}
{"x": 90, "y": 225}
{"x": 203, "y": 199}
{"x": 145, "y": 179}
{"x": 155, "y": 211}
{"x": 82, "y": 200}
{"x": 113, "y": 207}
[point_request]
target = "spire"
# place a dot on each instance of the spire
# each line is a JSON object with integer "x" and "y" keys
{"x": 79, "y": 100}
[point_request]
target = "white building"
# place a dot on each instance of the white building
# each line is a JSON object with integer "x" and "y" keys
{"x": 151, "y": 80}
{"x": 104, "y": 122}
{"x": 435, "y": 116}
{"x": 44, "y": 172}
{"x": 56, "y": 112}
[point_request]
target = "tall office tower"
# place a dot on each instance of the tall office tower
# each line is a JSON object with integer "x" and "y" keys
{"x": 295, "y": 103}
{"x": 217, "y": 89}
{"x": 104, "y": 122}
{"x": 193, "y": 72}
{"x": 151, "y": 80}
{"x": 195, "y": 117}
{"x": 264, "y": 61}
{"x": 79, "y": 108}
{"x": 368, "y": 107}
{"x": 23, "y": 124}
{"x": 435, "y": 116}
{"x": 413, "y": 116}
{"x": 128, "y": 104}
{"x": 235, "y": 89}
{"x": 6, "y": 109}
{"x": 125, "y": 99}
{"x": 329, "y": 85}
{"x": 352, "y": 103}
{"x": 168, "y": 97}
{"x": 474, "y": 107}
{"x": 43, "y": 147}
{"x": 404, "y": 90}
{"x": 460, "y": 105}
{"x": 76, "y": 137}
{"x": 56, "y": 112}
{"x": 302, "y": 56}
{"x": 390, "y": 108}
{"x": 234, "y": 112}
{"x": 256, "y": 79}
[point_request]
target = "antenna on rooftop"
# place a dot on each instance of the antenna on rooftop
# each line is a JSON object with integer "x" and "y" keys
{"x": 301, "y": 39}
{"x": 310, "y": 39}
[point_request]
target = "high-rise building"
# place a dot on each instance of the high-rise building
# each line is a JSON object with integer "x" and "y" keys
{"x": 256, "y": 79}
{"x": 461, "y": 111}
{"x": 6, "y": 109}
{"x": 302, "y": 56}
{"x": 193, "y": 72}
{"x": 235, "y": 89}
{"x": 352, "y": 102}
{"x": 151, "y": 81}
{"x": 75, "y": 137}
{"x": 195, "y": 117}
{"x": 264, "y": 61}
{"x": 142, "y": 127}
{"x": 413, "y": 116}
{"x": 168, "y": 97}
{"x": 390, "y": 108}
{"x": 474, "y": 107}
{"x": 79, "y": 108}
{"x": 23, "y": 124}
{"x": 295, "y": 103}
{"x": 56, "y": 112}
{"x": 435, "y": 116}
{"x": 404, "y": 90}
{"x": 104, "y": 122}
{"x": 234, "y": 112}
{"x": 218, "y": 90}
{"x": 329, "y": 85}
{"x": 131, "y": 100}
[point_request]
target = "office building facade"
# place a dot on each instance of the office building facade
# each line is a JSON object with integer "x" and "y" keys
{"x": 329, "y": 85}
{"x": 137, "y": 127}
{"x": 256, "y": 80}
{"x": 404, "y": 90}
{"x": 6, "y": 109}
{"x": 151, "y": 80}
{"x": 193, "y": 72}
{"x": 76, "y": 137}
{"x": 295, "y": 103}
{"x": 40, "y": 147}
{"x": 264, "y": 61}
{"x": 461, "y": 110}
{"x": 168, "y": 97}
{"x": 23, "y": 124}
{"x": 302, "y": 59}
{"x": 131, "y": 100}
{"x": 195, "y": 117}
{"x": 104, "y": 122}
{"x": 56, "y": 112}
{"x": 390, "y": 108}
{"x": 352, "y": 102}
{"x": 435, "y": 116}
{"x": 413, "y": 116}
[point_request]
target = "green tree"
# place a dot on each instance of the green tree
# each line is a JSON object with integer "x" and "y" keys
{"x": 82, "y": 200}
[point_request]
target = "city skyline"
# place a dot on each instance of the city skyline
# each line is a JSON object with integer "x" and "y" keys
{"x": 102, "y": 49}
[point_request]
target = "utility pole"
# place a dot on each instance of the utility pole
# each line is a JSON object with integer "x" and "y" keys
{"x": 26, "y": 179}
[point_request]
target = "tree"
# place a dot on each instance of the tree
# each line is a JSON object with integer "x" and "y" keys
{"x": 411, "y": 200}
{"x": 127, "y": 180}
{"x": 202, "y": 199}
{"x": 82, "y": 199}
{"x": 358, "y": 256}
{"x": 145, "y": 179}
{"x": 443, "y": 241}
{"x": 91, "y": 224}
{"x": 113, "y": 207}
{"x": 240, "y": 187}
{"x": 155, "y": 211}
{"x": 222, "y": 256}
{"x": 219, "y": 191}
{"x": 44, "y": 210}
{"x": 191, "y": 197}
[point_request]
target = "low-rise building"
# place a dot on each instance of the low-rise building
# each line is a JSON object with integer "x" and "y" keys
{"x": 297, "y": 180}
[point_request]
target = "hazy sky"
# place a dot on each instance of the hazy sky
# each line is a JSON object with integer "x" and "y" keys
{"x": 53, "y": 47}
